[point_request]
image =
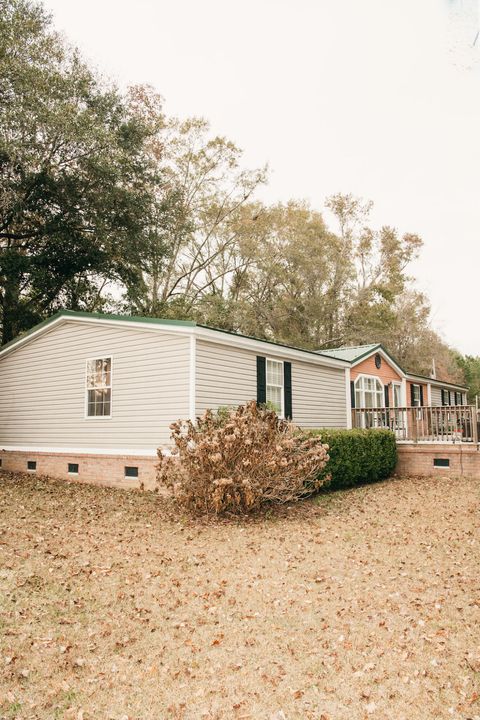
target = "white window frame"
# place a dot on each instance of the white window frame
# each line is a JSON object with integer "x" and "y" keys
{"x": 368, "y": 377}
{"x": 281, "y": 414}
{"x": 106, "y": 356}
{"x": 398, "y": 385}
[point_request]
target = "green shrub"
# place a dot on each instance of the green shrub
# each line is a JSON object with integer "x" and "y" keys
{"x": 357, "y": 456}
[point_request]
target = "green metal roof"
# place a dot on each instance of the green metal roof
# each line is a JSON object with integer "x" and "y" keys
{"x": 436, "y": 381}
{"x": 355, "y": 353}
{"x": 129, "y": 318}
{"x": 152, "y": 321}
{"x": 100, "y": 316}
{"x": 350, "y": 354}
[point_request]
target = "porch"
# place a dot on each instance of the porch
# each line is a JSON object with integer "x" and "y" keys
{"x": 427, "y": 424}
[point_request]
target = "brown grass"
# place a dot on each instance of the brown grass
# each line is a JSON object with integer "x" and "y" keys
{"x": 362, "y": 604}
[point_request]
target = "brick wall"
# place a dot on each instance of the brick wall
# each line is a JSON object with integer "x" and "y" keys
{"x": 95, "y": 469}
{"x": 110, "y": 469}
{"x": 418, "y": 459}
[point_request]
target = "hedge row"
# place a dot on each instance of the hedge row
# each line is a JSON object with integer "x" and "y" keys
{"x": 358, "y": 456}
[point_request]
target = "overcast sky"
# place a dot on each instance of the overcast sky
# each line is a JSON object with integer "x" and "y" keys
{"x": 380, "y": 98}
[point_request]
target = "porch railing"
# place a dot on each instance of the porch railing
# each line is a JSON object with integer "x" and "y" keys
{"x": 422, "y": 424}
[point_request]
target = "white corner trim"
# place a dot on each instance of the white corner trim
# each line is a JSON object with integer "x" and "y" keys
{"x": 348, "y": 398}
{"x": 137, "y": 452}
{"x": 192, "y": 377}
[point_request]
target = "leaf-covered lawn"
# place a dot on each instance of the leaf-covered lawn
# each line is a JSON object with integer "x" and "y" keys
{"x": 361, "y": 604}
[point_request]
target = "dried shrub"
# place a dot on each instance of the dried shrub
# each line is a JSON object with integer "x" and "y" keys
{"x": 239, "y": 460}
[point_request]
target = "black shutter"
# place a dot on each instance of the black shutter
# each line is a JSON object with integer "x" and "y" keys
{"x": 421, "y": 395}
{"x": 444, "y": 396}
{"x": 261, "y": 380}
{"x": 287, "y": 389}
{"x": 387, "y": 399}
{"x": 352, "y": 393}
{"x": 449, "y": 397}
{"x": 412, "y": 395}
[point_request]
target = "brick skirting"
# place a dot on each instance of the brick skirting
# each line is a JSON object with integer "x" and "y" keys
{"x": 418, "y": 459}
{"x": 413, "y": 459}
{"x": 92, "y": 468}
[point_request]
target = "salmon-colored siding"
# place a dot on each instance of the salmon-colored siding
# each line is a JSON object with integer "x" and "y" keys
{"x": 386, "y": 373}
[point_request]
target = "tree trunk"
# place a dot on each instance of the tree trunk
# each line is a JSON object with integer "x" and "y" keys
{"x": 10, "y": 309}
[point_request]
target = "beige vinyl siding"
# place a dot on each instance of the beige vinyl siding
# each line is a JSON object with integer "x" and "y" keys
{"x": 437, "y": 395}
{"x": 224, "y": 376}
{"x": 318, "y": 396}
{"x": 42, "y": 387}
{"x": 228, "y": 376}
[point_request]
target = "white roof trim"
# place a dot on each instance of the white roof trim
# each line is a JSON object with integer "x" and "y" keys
{"x": 267, "y": 348}
{"x": 433, "y": 381}
{"x": 24, "y": 339}
{"x": 385, "y": 357}
{"x": 208, "y": 334}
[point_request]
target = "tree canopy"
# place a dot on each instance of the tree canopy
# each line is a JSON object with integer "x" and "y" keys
{"x": 106, "y": 203}
{"x": 75, "y": 178}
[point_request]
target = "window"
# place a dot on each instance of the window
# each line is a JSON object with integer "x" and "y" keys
{"x": 416, "y": 396}
{"x": 131, "y": 472}
{"x": 397, "y": 395}
{"x": 31, "y": 465}
{"x": 73, "y": 468}
{"x": 449, "y": 397}
{"x": 99, "y": 387}
{"x": 441, "y": 462}
{"x": 369, "y": 392}
{"x": 458, "y": 398}
{"x": 275, "y": 395}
